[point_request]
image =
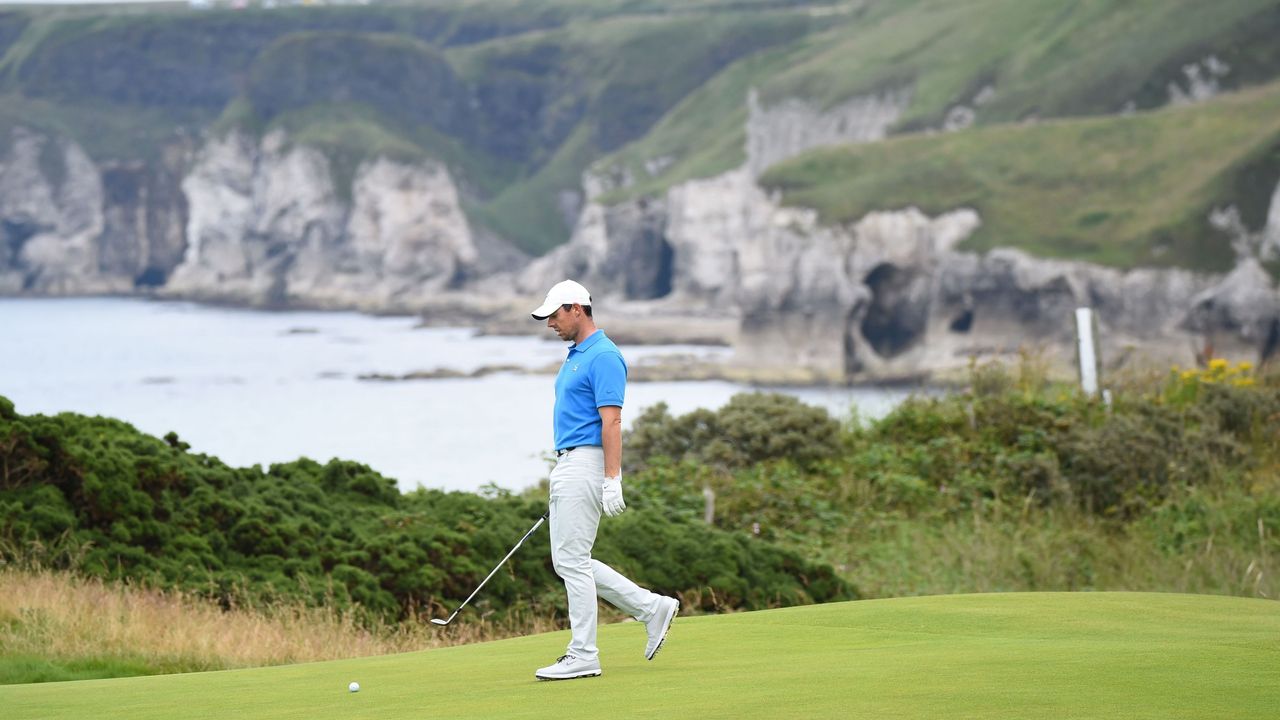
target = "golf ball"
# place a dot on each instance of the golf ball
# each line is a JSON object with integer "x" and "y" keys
{"x": 354, "y": 687}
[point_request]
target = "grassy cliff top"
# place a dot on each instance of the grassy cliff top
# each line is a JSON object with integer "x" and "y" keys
{"x": 1036, "y": 58}
{"x": 1121, "y": 191}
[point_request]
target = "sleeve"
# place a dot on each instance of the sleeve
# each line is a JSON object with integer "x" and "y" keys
{"x": 609, "y": 379}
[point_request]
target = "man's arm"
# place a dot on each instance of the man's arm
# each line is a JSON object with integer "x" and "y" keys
{"x": 611, "y": 439}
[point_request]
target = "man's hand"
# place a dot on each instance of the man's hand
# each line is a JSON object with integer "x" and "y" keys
{"x": 611, "y": 498}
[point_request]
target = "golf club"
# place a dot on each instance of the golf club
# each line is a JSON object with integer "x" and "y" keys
{"x": 536, "y": 525}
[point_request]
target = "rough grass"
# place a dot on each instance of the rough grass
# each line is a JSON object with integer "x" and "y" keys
{"x": 977, "y": 656}
{"x": 57, "y": 626}
{"x": 1120, "y": 191}
{"x": 1214, "y": 532}
{"x": 1057, "y": 550}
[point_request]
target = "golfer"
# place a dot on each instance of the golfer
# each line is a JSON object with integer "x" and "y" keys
{"x": 587, "y": 480}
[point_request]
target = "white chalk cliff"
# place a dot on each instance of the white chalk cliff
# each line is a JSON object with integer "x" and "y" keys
{"x": 51, "y": 224}
{"x": 267, "y": 226}
{"x": 266, "y": 222}
{"x": 891, "y": 295}
{"x": 71, "y": 227}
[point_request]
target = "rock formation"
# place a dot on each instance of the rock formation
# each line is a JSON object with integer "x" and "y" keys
{"x": 268, "y": 226}
{"x": 246, "y": 221}
{"x": 892, "y": 295}
{"x": 266, "y": 222}
{"x": 789, "y": 128}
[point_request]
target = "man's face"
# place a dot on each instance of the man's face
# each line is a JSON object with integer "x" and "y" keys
{"x": 565, "y": 321}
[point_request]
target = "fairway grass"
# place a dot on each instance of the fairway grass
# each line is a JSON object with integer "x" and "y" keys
{"x": 1041, "y": 655}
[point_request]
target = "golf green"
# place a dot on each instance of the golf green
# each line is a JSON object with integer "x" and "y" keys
{"x": 1033, "y": 655}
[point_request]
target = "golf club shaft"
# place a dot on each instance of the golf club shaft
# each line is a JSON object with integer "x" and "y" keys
{"x": 500, "y": 564}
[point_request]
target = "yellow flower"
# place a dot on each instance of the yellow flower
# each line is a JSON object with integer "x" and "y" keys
{"x": 1217, "y": 364}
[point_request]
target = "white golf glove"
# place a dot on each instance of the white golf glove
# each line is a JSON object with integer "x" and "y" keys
{"x": 611, "y": 497}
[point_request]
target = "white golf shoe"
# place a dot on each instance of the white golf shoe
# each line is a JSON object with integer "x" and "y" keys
{"x": 568, "y": 667}
{"x": 659, "y": 624}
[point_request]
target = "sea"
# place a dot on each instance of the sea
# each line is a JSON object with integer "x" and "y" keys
{"x": 259, "y": 387}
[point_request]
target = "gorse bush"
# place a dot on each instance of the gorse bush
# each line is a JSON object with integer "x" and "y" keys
{"x": 749, "y": 429}
{"x": 1015, "y": 442}
{"x": 120, "y": 504}
{"x": 1058, "y": 446}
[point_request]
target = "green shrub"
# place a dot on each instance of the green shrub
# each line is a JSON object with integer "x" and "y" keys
{"x": 751, "y": 428}
{"x": 722, "y": 570}
{"x": 130, "y": 506}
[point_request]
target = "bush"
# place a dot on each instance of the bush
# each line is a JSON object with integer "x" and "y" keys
{"x": 722, "y": 570}
{"x": 136, "y": 507}
{"x": 751, "y": 428}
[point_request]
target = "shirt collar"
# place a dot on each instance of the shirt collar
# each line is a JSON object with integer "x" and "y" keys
{"x": 592, "y": 339}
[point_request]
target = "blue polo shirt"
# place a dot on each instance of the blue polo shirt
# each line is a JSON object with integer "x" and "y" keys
{"x": 593, "y": 376}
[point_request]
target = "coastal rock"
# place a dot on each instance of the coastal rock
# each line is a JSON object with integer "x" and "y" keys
{"x": 267, "y": 226}
{"x": 1270, "y": 245}
{"x": 406, "y": 236}
{"x": 1200, "y": 81}
{"x": 144, "y": 219}
{"x": 708, "y": 223}
{"x": 583, "y": 258}
{"x": 1242, "y": 308}
{"x": 618, "y": 252}
{"x": 69, "y": 226}
{"x": 252, "y": 208}
{"x": 790, "y": 127}
{"x": 51, "y": 200}
{"x": 895, "y": 296}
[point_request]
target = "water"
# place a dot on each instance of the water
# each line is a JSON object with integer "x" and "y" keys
{"x": 264, "y": 387}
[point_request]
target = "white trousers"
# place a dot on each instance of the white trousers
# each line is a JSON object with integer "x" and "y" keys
{"x": 575, "y": 515}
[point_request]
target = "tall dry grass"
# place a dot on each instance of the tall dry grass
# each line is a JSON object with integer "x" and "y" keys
{"x": 1056, "y": 550}
{"x": 60, "y": 616}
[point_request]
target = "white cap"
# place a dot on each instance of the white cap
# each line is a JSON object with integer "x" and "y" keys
{"x": 565, "y": 292}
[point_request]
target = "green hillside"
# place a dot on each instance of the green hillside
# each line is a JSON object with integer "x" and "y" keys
{"x": 520, "y": 98}
{"x": 1124, "y": 655}
{"x": 1121, "y": 191}
{"x": 1042, "y": 59}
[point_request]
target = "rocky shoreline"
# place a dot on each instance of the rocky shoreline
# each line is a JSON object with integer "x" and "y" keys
{"x": 716, "y": 261}
{"x": 673, "y": 369}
